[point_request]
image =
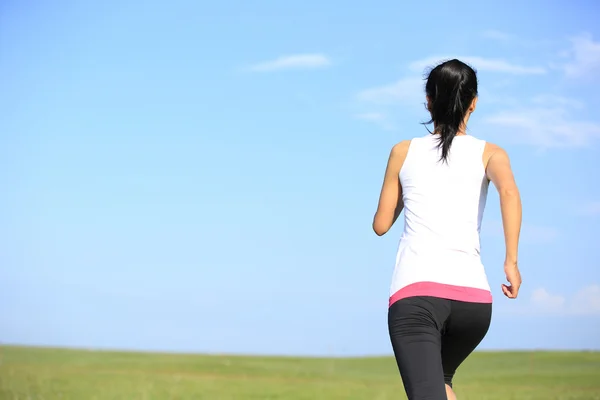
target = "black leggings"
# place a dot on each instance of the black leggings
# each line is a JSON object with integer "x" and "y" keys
{"x": 431, "y": 337}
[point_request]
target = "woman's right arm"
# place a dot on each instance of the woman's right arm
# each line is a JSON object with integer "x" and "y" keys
{"x": 499, "y": 171}
{"x": 390, "y": 199}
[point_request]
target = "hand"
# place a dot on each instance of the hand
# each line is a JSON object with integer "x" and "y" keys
{"x": 513, "y": 276}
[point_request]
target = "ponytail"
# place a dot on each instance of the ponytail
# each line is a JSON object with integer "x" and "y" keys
{"x": 451, "y": 87}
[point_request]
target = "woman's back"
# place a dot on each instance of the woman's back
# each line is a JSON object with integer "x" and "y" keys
{"x": 444, "y": 202}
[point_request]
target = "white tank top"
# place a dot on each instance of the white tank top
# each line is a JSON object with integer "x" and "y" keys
{"x": 438, "y": 254}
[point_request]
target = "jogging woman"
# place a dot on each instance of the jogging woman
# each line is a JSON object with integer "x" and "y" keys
{"x": 440, "y": 303}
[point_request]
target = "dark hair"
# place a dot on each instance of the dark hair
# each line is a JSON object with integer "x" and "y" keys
{"x": 451, "y": 87}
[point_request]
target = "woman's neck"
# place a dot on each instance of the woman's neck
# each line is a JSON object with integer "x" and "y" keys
{"x": 460, "y": 132}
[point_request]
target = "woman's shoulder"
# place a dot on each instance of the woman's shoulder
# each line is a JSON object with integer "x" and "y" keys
{"x": 492, "y": 147}
{"x": 401, "y": 147}
{"x": 493, "y": 150}
{"x": 398, "y": 155}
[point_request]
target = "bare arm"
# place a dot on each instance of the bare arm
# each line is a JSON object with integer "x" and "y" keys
{"x": 499, "y": 171}
{"x": 390, "y": 199}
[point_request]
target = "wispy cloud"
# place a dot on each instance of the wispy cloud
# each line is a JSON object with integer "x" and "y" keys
{"x": 378, "y": 118}
{"x": 585, "y": 301}
{"x": 543, "y": 301}
{"x": 481, "y": 64}
{"x": 406, "y": 90}
{"x": 546, "y": 120}
{"x": 545, "y": 127}
{"x": 585, "y": 54}
{"x": 512, "y": 39}
{"x": 541, "y": 298}
{"x": 297, "y": 61}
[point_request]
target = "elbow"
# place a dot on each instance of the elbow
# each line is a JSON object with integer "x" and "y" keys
{"x": 379, "y": 229}
{"x": 379, "y": 232}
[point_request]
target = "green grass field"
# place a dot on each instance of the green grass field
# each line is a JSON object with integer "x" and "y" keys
{"x": 48, "y": 374}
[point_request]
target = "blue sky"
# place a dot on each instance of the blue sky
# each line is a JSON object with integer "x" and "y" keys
{"x": 193, "y": 176}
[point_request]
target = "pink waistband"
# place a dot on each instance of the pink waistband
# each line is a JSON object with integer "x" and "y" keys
{"x": 451, "y": 292}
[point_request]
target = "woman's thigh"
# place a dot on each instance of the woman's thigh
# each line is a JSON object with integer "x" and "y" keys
{"x": 465, "y": 328}
{"x": 415, "y": 326}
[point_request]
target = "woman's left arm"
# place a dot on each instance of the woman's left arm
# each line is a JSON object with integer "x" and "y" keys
{"x": 390, "y": 200}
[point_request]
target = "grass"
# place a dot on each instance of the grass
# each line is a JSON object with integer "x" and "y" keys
{"x": 49, "y": 374}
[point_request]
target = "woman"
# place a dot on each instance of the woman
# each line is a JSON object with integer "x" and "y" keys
{"x": 440, "y": 303}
